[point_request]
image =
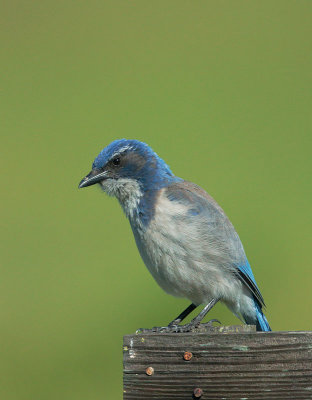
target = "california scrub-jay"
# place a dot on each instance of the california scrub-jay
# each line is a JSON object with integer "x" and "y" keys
{"x": 184, "y": 237}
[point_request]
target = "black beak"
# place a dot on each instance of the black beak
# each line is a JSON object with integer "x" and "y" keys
{"x": 95, "y": 176}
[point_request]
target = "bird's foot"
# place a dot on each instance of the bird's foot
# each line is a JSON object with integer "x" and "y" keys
{"x": 175, "y": 328}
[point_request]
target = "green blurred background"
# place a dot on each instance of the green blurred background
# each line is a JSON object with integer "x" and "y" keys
{"x": 222, "y": 90}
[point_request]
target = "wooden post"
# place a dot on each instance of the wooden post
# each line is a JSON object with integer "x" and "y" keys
{"x": 223, "y": 363}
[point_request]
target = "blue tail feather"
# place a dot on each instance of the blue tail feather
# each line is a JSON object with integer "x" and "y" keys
{"x": 262, "y": 323}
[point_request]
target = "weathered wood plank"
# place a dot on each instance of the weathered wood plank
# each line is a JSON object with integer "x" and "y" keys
{"x": 225, "y": 363}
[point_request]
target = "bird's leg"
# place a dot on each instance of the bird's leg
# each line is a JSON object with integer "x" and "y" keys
{"x": 196, "y": 321}
{"x": 174, "y": 327}
{"x": 183, "y": 315}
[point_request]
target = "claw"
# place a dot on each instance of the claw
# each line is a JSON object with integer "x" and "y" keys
{"x": 211, "y": 321}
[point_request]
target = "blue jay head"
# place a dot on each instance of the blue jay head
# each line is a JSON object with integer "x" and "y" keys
{"x": 127, "y": 166}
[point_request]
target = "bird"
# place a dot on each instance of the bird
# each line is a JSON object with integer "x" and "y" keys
{"x": 183, "y": 236}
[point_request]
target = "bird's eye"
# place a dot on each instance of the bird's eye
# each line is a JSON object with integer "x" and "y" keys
{"x": 116, "y": 161}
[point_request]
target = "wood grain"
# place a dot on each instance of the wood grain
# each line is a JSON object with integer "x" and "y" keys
{"x": 226, "y": 363}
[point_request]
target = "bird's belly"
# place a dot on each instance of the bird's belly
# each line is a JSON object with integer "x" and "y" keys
{"x": 179, "y": 269}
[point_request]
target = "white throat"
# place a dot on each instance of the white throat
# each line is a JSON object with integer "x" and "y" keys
{"x": 127, "y": 191}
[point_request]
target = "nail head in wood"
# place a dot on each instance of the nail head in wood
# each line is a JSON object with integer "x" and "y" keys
{"x": 187, "y": 356}
{"x": 149, "y": 371}
{"x": 198, "y": 393}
